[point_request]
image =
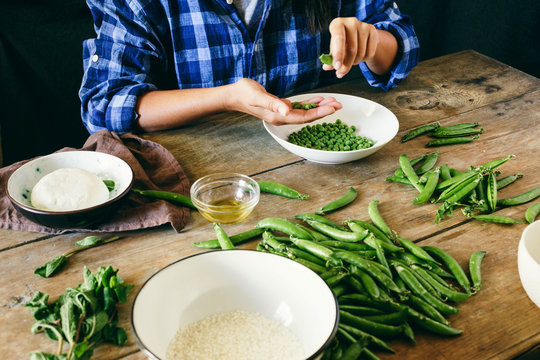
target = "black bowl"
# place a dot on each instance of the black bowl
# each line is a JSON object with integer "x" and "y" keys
{"x": 106, "y": 166}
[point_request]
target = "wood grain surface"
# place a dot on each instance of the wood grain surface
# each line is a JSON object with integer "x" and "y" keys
{"x": 500, "y": 322}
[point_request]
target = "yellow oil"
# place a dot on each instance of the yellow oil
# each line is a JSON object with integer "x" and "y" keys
{"x": 226, "y": 211}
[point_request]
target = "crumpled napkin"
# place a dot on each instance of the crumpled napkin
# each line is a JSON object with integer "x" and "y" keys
{"x": 154, "y": 168}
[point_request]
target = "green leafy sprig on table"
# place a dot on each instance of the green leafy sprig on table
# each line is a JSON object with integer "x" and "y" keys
{"x": 84, "y": 316}
{"x": 55, "y": 265}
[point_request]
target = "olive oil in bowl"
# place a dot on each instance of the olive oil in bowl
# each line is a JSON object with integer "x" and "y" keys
{"x": 225, "y": 198}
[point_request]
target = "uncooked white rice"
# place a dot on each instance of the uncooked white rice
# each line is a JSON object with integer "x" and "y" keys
{"x": 236, "y": 335}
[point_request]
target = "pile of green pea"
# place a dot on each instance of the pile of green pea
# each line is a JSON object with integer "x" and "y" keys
{"x": 335, "y": 136}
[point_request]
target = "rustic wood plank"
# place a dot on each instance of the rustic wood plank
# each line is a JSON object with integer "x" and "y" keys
{"x": 10, "y": 238}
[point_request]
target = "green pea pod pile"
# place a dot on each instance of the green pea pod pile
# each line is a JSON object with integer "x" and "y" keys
{"x": 446, "y": 135}
{"x": 386, "y": 286}
{"x": 475, "y": 190}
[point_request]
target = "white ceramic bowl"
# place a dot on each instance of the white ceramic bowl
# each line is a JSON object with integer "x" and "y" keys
{"x": 372, "y": 120}
{"x": 223, "y": 281}
{"x": 105, "y": 166}
{"x": 529, "y": 261}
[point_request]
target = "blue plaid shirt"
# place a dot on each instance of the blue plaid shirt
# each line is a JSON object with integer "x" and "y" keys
{"x": 145, "y": 45}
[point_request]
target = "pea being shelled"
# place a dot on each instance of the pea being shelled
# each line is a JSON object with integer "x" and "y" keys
{"x": 335, "y": 136}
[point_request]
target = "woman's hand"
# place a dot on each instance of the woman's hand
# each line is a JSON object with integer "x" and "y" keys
{"x": 353, "y": 41}
{"x": 250, "y": 97}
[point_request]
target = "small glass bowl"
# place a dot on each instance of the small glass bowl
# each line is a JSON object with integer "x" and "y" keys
{"x": 225, "y": 198}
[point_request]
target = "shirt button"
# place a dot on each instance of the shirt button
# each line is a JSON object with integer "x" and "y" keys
{"x": 95, "y": 58}
{"x": 229, "y": 2}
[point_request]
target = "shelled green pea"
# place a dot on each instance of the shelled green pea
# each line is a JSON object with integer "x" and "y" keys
{"x": 335, "y": 136}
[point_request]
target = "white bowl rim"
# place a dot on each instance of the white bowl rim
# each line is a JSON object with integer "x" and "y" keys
{"x": 317, "y": 152}
{"x": 153, "y": 356}
{"x": 40, "y": 211}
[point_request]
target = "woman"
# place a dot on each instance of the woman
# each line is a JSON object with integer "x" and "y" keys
{"x": 157, "y": 65}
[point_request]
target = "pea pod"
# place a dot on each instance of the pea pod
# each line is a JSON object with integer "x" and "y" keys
{"x": 387, "y": 247}
{"x": 491, "y": 191}
{"x": 361, "y": 310}
{"x": 425, "y": 308}
{"x": 475, "y": 263}
{"x": 520, "y": 199}
{"x": 416, "y": 287}
{"x": 460, "y": 126}
{"x": 339, "y": 203}
{"x": 166, "y": 195}
{"x": 409, "y": 172}
{"x": 442, "y": 289}
{"x": 428, "y": 164}
{"x": 283, "y": 225}
{"x": 236, "y": 239}
{"x": 399, "y": 171}
{"x": 445, "y": 172}
{"x": 223, "y": 239}
{"x": 377, "y": 219}
{"x": 424, "y": 129}
{"x": 315, "y": 235}
{"x": 379, "y": 252}
{"x": 507, "y": 180}
{"x": 499, "y": 219}
{"x": 377, "y": 329}
{"x": 275, "y": 188}
{"x": 451, "y": 141}
{"x": 452, "y": 265}
{"x": 416, "y": 250}
{"x": 453, "y": 133}
{"x": 357, "y": 225}
{"x": 371, "y": 339}
{"x": 398, "y": 179}
{"x": 353, "y": 351}
{"x": 432, "y": 325}
{"x": 429, "y": 188}
{"x": 367, "y": 281}
{"x": 351, "y": 246}
{"x": 319, "y": 218}
{"x": 336, "y": 234}
{"x": 368, "y": 266}
{"x": 313, "y": 248}
{"x": 532, "y": 212}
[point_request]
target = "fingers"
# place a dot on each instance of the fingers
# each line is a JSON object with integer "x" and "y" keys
{"x": 351, "y": 42}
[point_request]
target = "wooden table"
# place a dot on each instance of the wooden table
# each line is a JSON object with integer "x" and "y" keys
{"x": 500, "y": 322}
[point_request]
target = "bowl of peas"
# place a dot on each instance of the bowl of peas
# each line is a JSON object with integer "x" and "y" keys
{"x": 359, "y": 129}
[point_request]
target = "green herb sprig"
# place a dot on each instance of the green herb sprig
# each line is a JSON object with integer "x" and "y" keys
{"x": 84, "y": 316}
{"x": 54, "y": 266}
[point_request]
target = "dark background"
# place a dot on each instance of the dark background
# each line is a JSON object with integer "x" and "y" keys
{"x": 41, "y": 52}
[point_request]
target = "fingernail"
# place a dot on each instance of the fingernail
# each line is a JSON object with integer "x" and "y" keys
{"x": 339, "y": 75}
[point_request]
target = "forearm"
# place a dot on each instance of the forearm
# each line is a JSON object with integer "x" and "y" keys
{"x": 385, "y": 54}
{"x": 166, "y": 109}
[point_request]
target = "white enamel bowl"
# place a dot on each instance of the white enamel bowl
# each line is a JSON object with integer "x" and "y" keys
{"x": 104, "y": 166}
{"x": 223, "y": 281}
{"x": 529, "y": 261}
{"x": 371, "y": 120}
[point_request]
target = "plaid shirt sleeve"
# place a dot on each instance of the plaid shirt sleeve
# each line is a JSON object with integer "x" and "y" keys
{"x": 117, "y": 65}
{"x": 386, "y": 16}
